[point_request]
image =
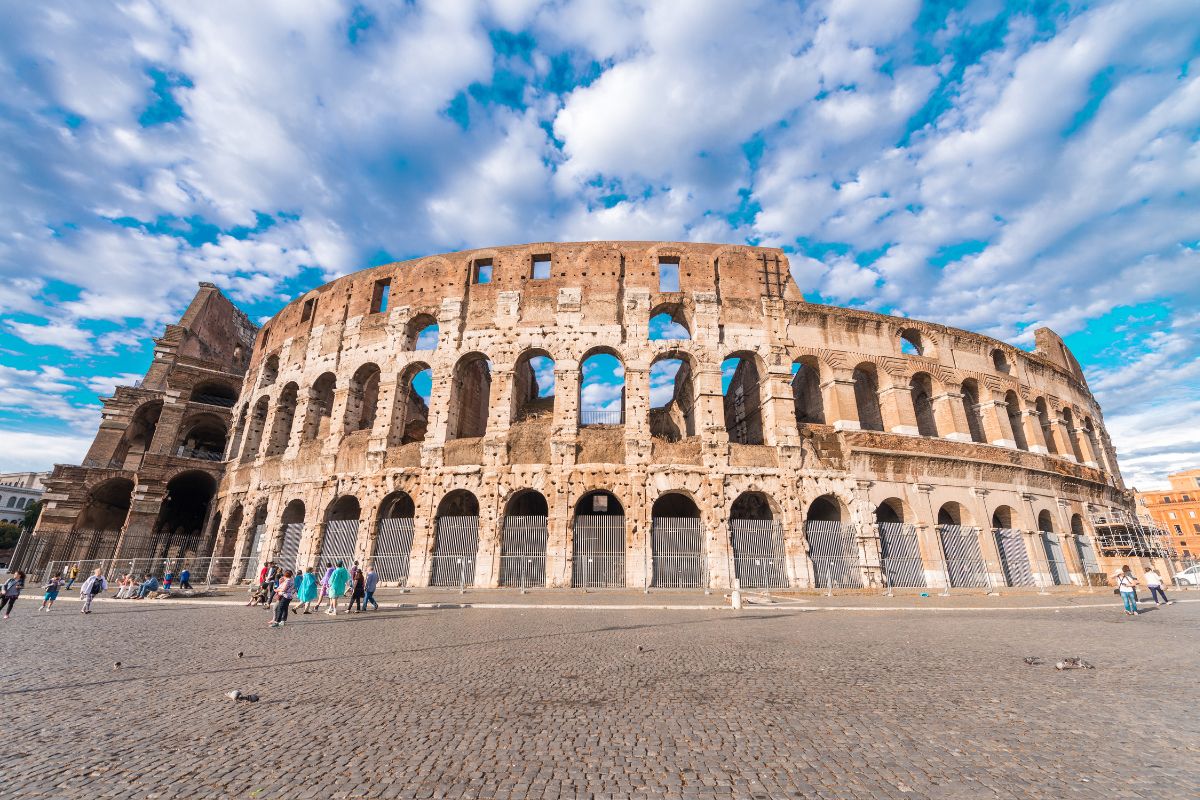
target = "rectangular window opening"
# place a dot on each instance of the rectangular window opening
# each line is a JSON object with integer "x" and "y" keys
{"x": 380, "y": 295}
{"x": 310, "y": 308}
{"x": 541, "y": 268}
{"x": 483, "y": 271}
{"x": 668, "y": 274}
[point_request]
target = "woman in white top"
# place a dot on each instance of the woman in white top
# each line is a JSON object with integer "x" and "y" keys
{"x": 1155, "y": 585}
{"x": 1128, "y": 586}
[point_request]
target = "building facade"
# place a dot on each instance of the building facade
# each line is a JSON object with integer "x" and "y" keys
{"x": 1176, "y": 512}
{"x": 18, "y": 491}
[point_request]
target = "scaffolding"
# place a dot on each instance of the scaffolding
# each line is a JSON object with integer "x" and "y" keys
{"x": 1121, "y": 534}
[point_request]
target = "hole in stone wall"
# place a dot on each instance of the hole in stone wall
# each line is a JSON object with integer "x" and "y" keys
{"x": 602, "y": 390}
{"x": 806, "y": 391}
{"x": 533, "y": 386}
{"x": 410, "y": 414}
{"x": 741, "y": 386}
{"x": 672, "y": 398}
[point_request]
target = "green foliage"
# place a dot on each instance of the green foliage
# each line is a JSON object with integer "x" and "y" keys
{"x": 10, "y": 532}
{"x": 32, "y": 512}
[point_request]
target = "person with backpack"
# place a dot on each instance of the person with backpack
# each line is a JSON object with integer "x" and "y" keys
{"x": 168, "y": 577}
{"x": 1127, "y": 586}
{"x": 12, "y": 590}
{"x": 93, "y": 586}
{"x": 52, "y": 586}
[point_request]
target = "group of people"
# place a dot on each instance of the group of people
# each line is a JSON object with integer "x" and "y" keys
{"x": 94, "y": 585}
{"x": 276, "y": 588}
{"x": 1127, "y": 584}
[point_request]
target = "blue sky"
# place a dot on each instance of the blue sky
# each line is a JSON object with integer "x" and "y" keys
{"x": 994, "y": 166}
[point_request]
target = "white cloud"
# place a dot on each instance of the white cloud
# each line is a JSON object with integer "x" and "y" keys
{"x": 26, "y": 450}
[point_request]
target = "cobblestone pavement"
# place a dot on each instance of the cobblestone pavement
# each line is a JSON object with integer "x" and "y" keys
{"x": 540, "y": 703}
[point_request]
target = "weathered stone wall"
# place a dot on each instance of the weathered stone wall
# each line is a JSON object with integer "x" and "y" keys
{"x": 1014, "y": 429}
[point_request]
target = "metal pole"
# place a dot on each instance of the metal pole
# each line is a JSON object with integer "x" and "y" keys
{"x": 829, "y": 578}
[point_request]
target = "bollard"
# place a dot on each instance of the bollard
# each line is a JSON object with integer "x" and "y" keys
{"x": 736, "y": 598}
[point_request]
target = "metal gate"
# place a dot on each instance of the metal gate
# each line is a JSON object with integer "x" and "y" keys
{"x": 677, "y": 544}
{"x": 337, "y": 544}
{"x": 964, "y": 562}
{"x": 833, "y": 548}
{"x": 1055, "y": 558}
{"x": 598, "y": 552}
{"x": 392, "y": 553}
{"x": 290, "y": 548}
{"x": 523, "y": 551}
{"x": 454, "y": 550}
{"x": 252, "y": 565}
{"x": 759, "y": 556}
{"x": 901, "y": 552}
{"x": 1014, "y": 557}
{"x": 1087, "y": 555}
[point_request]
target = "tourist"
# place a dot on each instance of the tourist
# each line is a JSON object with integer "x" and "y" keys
{"x": 262, "y": 573}
{"x": 149, "y": 584}
{"x": 372, "y": 581}
{"x": 306, "y": 592}
{"x": 125, "y": 586}
{"x": 283, "y": 598}
{"x": 185, "y": 579}
{"x": 324, "y": 585}
{"x": 90, "y": 588}
{"x": 167, "y": 579}
{"x": 72, "y": 574}
{"x": 337, "y": 586}
{"x": 1155, "y": 585}
{"x": 356, "y": 595}
{"x": 1127, "y": 586}
{"x": 12, "y": 590}
{"x": 52, "y": 586}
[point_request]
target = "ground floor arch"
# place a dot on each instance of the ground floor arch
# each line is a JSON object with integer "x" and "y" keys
{"x": 456, "y": 540}
{"x": 523, "y": 539}
{"x": 756, "y": 538}
{"x": 391, "y": 552}
{"x": 598, "y": 541}
{"x": 677, "y": 543}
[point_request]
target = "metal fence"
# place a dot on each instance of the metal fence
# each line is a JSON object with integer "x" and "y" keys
{"x": 1014, "y": 557}
{"x": 338, "y": 543}
{"x": 598, "y": 552}
{"x": 900, "y": 551}
{"x": 203, "y": 571}
{"x": 961, "y": 556}
{"x": 1055, "y": 559}
{"x": 759, "y": 555}
{"x": 593, "y": 416}
{"x": 393, "y": 549}
{"x": 454, "y": 550}
{"x": 523, "y": 551}
{"x": 289, "y": 549}
{"x": 677, "y": 547}
{"x": 254, "y": 553}
{"x": 833, "y": 549}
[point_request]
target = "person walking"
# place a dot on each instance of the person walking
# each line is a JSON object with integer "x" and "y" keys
{"x": 185, "y": 579}
{"x": 52, "y": 586}
{"x": 168, "y": 577}
{"x": 1127, "y": 585}
{"x": 324, "y": 585}
{"x": 372, "y": 581}
{"x": 72, "y": 574}
{"x": 356, "y": 597}
{"x": 1155, "y": 585}
{"x": 12, "y": 590}
{"x": 337, "y": 586}
{"x": 93, "y": 586}
{"x": 306, "y": 591}
{"x": 284, "y": 591}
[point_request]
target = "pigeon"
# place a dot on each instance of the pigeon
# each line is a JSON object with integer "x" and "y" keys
{"x": 1033, "y": 661}
{"x": 235, "y": 695}
{"x": 117, "y": 665}
{"x": 640, "y": 648}
{"x": 1074, "y": 662}
{"x": 240, "y": 654}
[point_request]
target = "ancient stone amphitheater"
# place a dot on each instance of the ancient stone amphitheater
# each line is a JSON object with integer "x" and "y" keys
{"x": 664, "y": 414}
{"x": 617, "y": 414}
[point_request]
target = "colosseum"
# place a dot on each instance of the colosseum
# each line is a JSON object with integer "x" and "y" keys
{"x": 599, "y": 414}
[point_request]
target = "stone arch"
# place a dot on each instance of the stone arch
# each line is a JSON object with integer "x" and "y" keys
{"x": 953, "y": 513}
{"x": 533, "y": 385}
{"x": 1004, "y": 517}
{"x": 611, "y": 505}
{"x": 601, "y": 387}
{"x": 807, "y": 400}
{"x": 1046, "y": 424}
{"x": 1068, "y": 423}
{"x": 1045, "y": 521}
{"x": 179, "y": 527}
{"x": 421, "y": 332}
{"x": 669, "y": 321}
{"x": 524, "y": 535}
{"x": 470, "y": 397}
{"x": 255, "y": 425}
{"x": 362, "y": 401}
{"x": 866, "y": 397}
{"x": 343, "y": 507}
{"x": 1089, "y": 433}
{"x": 286, "y": 546}
{"x": 106, "y": 506}
{"x": 458, "y": 503}
{"x": 914, "y": 341}
{"x": 526, "y": 503}
{"x": 395, "y": 528}
{"x": 410, "y": 412}
{"x": 233, "y": 525}
{"x": 743, "y": 391}
{"x": 285, "y": 418}
{"x": 920, "y": 387}
{"x": 672, "y": 395}
{"x": 675, "y": 503}
{"x": 1000, "y": 361}
{"x": 138, "y": 436}
{"x": 752, "y": 505}
{"x": 891, "y": 511}
{"x": 320, "y": 408}
{"x": 203, "y": 436}
{"x": 1016, "y": 419}
{"x": 214, "y": 393}
{"x": 270, "y": 370}
{"x": 826, "y": 508}
{"x": 970, "y": 401}
{"x": 1077, "y": 526}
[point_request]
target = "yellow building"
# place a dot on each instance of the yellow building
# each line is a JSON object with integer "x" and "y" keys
{"x": 1177, "y": 512}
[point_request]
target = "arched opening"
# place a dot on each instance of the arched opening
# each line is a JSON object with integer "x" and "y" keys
{"x": 832, "y": 545}
{"x": 203, "y": 438}
{"x": 179, "y": 529}
{"x": 1010, "y": 542}
{"x": 229, "y": 543}
{"x": 456, "y": 542}
{"x": 602, "y": 389}
{"x": 270, "y": 370}
{"x": 1068, "y": 424}
{"x": 214, "y": 393}
{"x": 598, "y": 546}
{"x": 410, "y": 413}
{"x": 533, "y": 386}
{"x": 363, "y": 399}
{"x": 672, "y": 397}
{"x": 239, "y": 429}
{"x": 668, "y": 321}
{"x": 1047, "y": 427}
{"x": 320, "y": 408}
{"x": 1052, "y": 544}
{"x": 920, "y": 387}
{"x": 254, "y": 428}
{"x": 962, "y": 556}
{"x": 759, "y": 556}
{"x": 421, "y": 333}
{"x": 806, "y": 391}
{"x": 1000, "y": 361}
{"x": 523, "y": 543}
{"x": 285, "y": 418}
{"x": 742, "y": 387}
{"x": 911, "y": 343}
{"x": 826, "y": 508}
{"x": 470, "y": 397}
{"x": 899, "y": 547}
{"x": 866, "y": 397}
{"x": 677, "y": 543}
{"x": 99, "y": 523}
{"x": 1012, "y": 405}
{"x": 340, "y": 532}
{"x": 291, "y": 531}
{"x": 1085, "y": 553}
{"x": 252, "y": 549}
{"x": 970, "y": 401}
{"x": 391, "y": 554}
{"x": 138, "y": 436}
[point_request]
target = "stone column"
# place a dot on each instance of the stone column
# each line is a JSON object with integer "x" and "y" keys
{"x": 951, "y": 418}
{"x": 837, "y": 395}
{"x": 1085, "y": 447}
{"x": 564, "y": 430}
{"x": 1031, "y": 421}
{"x": 778, "y": 406}
{"x": 994, "y": 414}
{"x": 899, "y": 416}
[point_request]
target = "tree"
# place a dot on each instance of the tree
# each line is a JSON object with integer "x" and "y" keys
{"x": 10, "y": 532}
{"x": 32, "y": 512}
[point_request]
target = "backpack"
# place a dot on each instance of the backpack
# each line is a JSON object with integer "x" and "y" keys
{"x": 97, "y": 585}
